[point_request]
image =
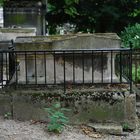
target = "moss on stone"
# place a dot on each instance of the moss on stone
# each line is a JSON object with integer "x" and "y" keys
{"x": 16, "y": 30}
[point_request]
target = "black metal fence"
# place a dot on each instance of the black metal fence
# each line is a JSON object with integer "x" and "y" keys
{"x": 66, "y": 67}
{"x": 136, "y": 66}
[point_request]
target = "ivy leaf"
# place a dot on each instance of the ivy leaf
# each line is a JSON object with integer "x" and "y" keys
{"x": 50, "y": 7}
{"x": 135, "y": 13}
{"x": 71, "y": 11}
{"x": 70, "y": 2}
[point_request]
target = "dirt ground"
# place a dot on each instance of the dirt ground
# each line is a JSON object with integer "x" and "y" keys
{"x": 17, "y": 130}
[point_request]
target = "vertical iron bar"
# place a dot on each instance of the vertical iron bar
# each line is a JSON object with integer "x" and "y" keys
{"x": 111, "y": 67}
{"x": 35, "y": 69}
{"x": 7, "y": 79}
{"x": 83, "y": 66}
{"x": 130, "y": 70}
{"x": 120, "y": 66}
{"x": 136, "y": 68}
{"x": 54, "y": 68}
{"x": 73, "y": 59}
{"x": 92, "y": 68}
{"x": 64, "y": 72}
{"x": 2, "y": 69}
{"x": 16, "y": 72}
{"x": 102, "y": 67}
{"x": 25, "y": 53}
{"x": 45, "y": 67}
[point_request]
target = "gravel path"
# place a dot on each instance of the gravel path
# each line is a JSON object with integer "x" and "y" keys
{"x": 16, "y": 130}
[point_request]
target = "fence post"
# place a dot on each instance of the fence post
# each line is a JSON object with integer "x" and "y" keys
{"x": 130, "y": 69}
{"x": 64, "y": 72}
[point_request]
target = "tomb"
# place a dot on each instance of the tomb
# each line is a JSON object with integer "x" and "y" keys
{"x": 82, "y": 66}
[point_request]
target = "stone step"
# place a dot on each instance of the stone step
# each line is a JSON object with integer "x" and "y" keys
{"x": 138, "y": 104}
{"x": 136, "y": 88}
{"x": 107, "y": 128}
{"x": 138, "y": 112}
{"x": 138, "y": 108}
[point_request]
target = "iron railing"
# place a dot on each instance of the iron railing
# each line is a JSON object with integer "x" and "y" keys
{"x": 136, "y": 66}
{"x": 66, "y": 67}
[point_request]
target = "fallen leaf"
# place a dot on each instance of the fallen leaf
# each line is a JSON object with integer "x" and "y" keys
{"x": 90, "y": 132}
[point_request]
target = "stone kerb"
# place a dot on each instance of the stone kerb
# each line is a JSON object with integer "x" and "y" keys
{"x": 12, "y": 33}
{"x": 78, "y": 41}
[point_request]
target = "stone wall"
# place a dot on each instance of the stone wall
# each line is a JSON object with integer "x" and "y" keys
{"x": 87, "y": 105}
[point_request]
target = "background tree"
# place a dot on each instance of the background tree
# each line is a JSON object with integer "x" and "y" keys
{"x": 94, "y": 15}
{"x": 1, "y": 2}
{"x": 61, "y": 12}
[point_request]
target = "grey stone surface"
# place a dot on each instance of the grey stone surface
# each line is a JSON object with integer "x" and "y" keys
{"x": 107, "y": 128}
{"x": 5, "y": 104}
{"x": 41, "y": 66}
{"x": 130, "y": 110}
{"x": 138, "y": 108}
{"x": 12, "y": 33}
{"x": 75, "y": 41}
{"x": 85, "y": 106}
{"x": 25, "y": 109}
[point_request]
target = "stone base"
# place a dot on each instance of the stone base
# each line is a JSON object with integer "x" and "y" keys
{"x": 86, "y": 106}
{"x": 107, "y": 128}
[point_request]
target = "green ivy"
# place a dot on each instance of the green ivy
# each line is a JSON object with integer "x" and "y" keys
{"x": 131, "y": 34}
{"x": 1, "y": 2}
{"x": 7, "y": 115}
{"x": 136, "y": 73}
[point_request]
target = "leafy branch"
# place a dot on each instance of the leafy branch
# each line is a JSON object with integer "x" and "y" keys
{"x": 57, "y": 119}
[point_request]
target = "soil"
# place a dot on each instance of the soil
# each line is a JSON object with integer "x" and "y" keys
{"x": 17, "y": 130}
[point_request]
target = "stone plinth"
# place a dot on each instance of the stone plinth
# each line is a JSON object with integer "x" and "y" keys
{"x": 75, "y": 41}
{"x": 99, "y": 61}
{"x": 88, "y": 105}
{"x": 12, "y": 33}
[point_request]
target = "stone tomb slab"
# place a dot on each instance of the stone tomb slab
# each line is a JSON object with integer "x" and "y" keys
{"x": 97, "y": 65}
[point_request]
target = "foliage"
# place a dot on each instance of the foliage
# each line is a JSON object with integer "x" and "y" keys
{"x": 1, "y": 2}
{"x": 125, "y": 126}
{"x": 7, "y": 115}
{"x": 135, "y": 13}
{"x": 59, "y": 13}
{"x": 94, "y": 15}
{"x": 131, "y": 34}
{"x": 68, "y": 7}
{"x": 57, "y": 118}
{"x": 136, "y": 74}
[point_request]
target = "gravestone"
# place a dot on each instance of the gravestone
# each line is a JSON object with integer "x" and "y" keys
{"x": 25, "y": 14}
{"x": 37, "y": 71}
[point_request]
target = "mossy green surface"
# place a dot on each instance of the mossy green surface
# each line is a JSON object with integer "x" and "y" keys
{"x": 16, "y": 30}
{"x": 30, "y": 104}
